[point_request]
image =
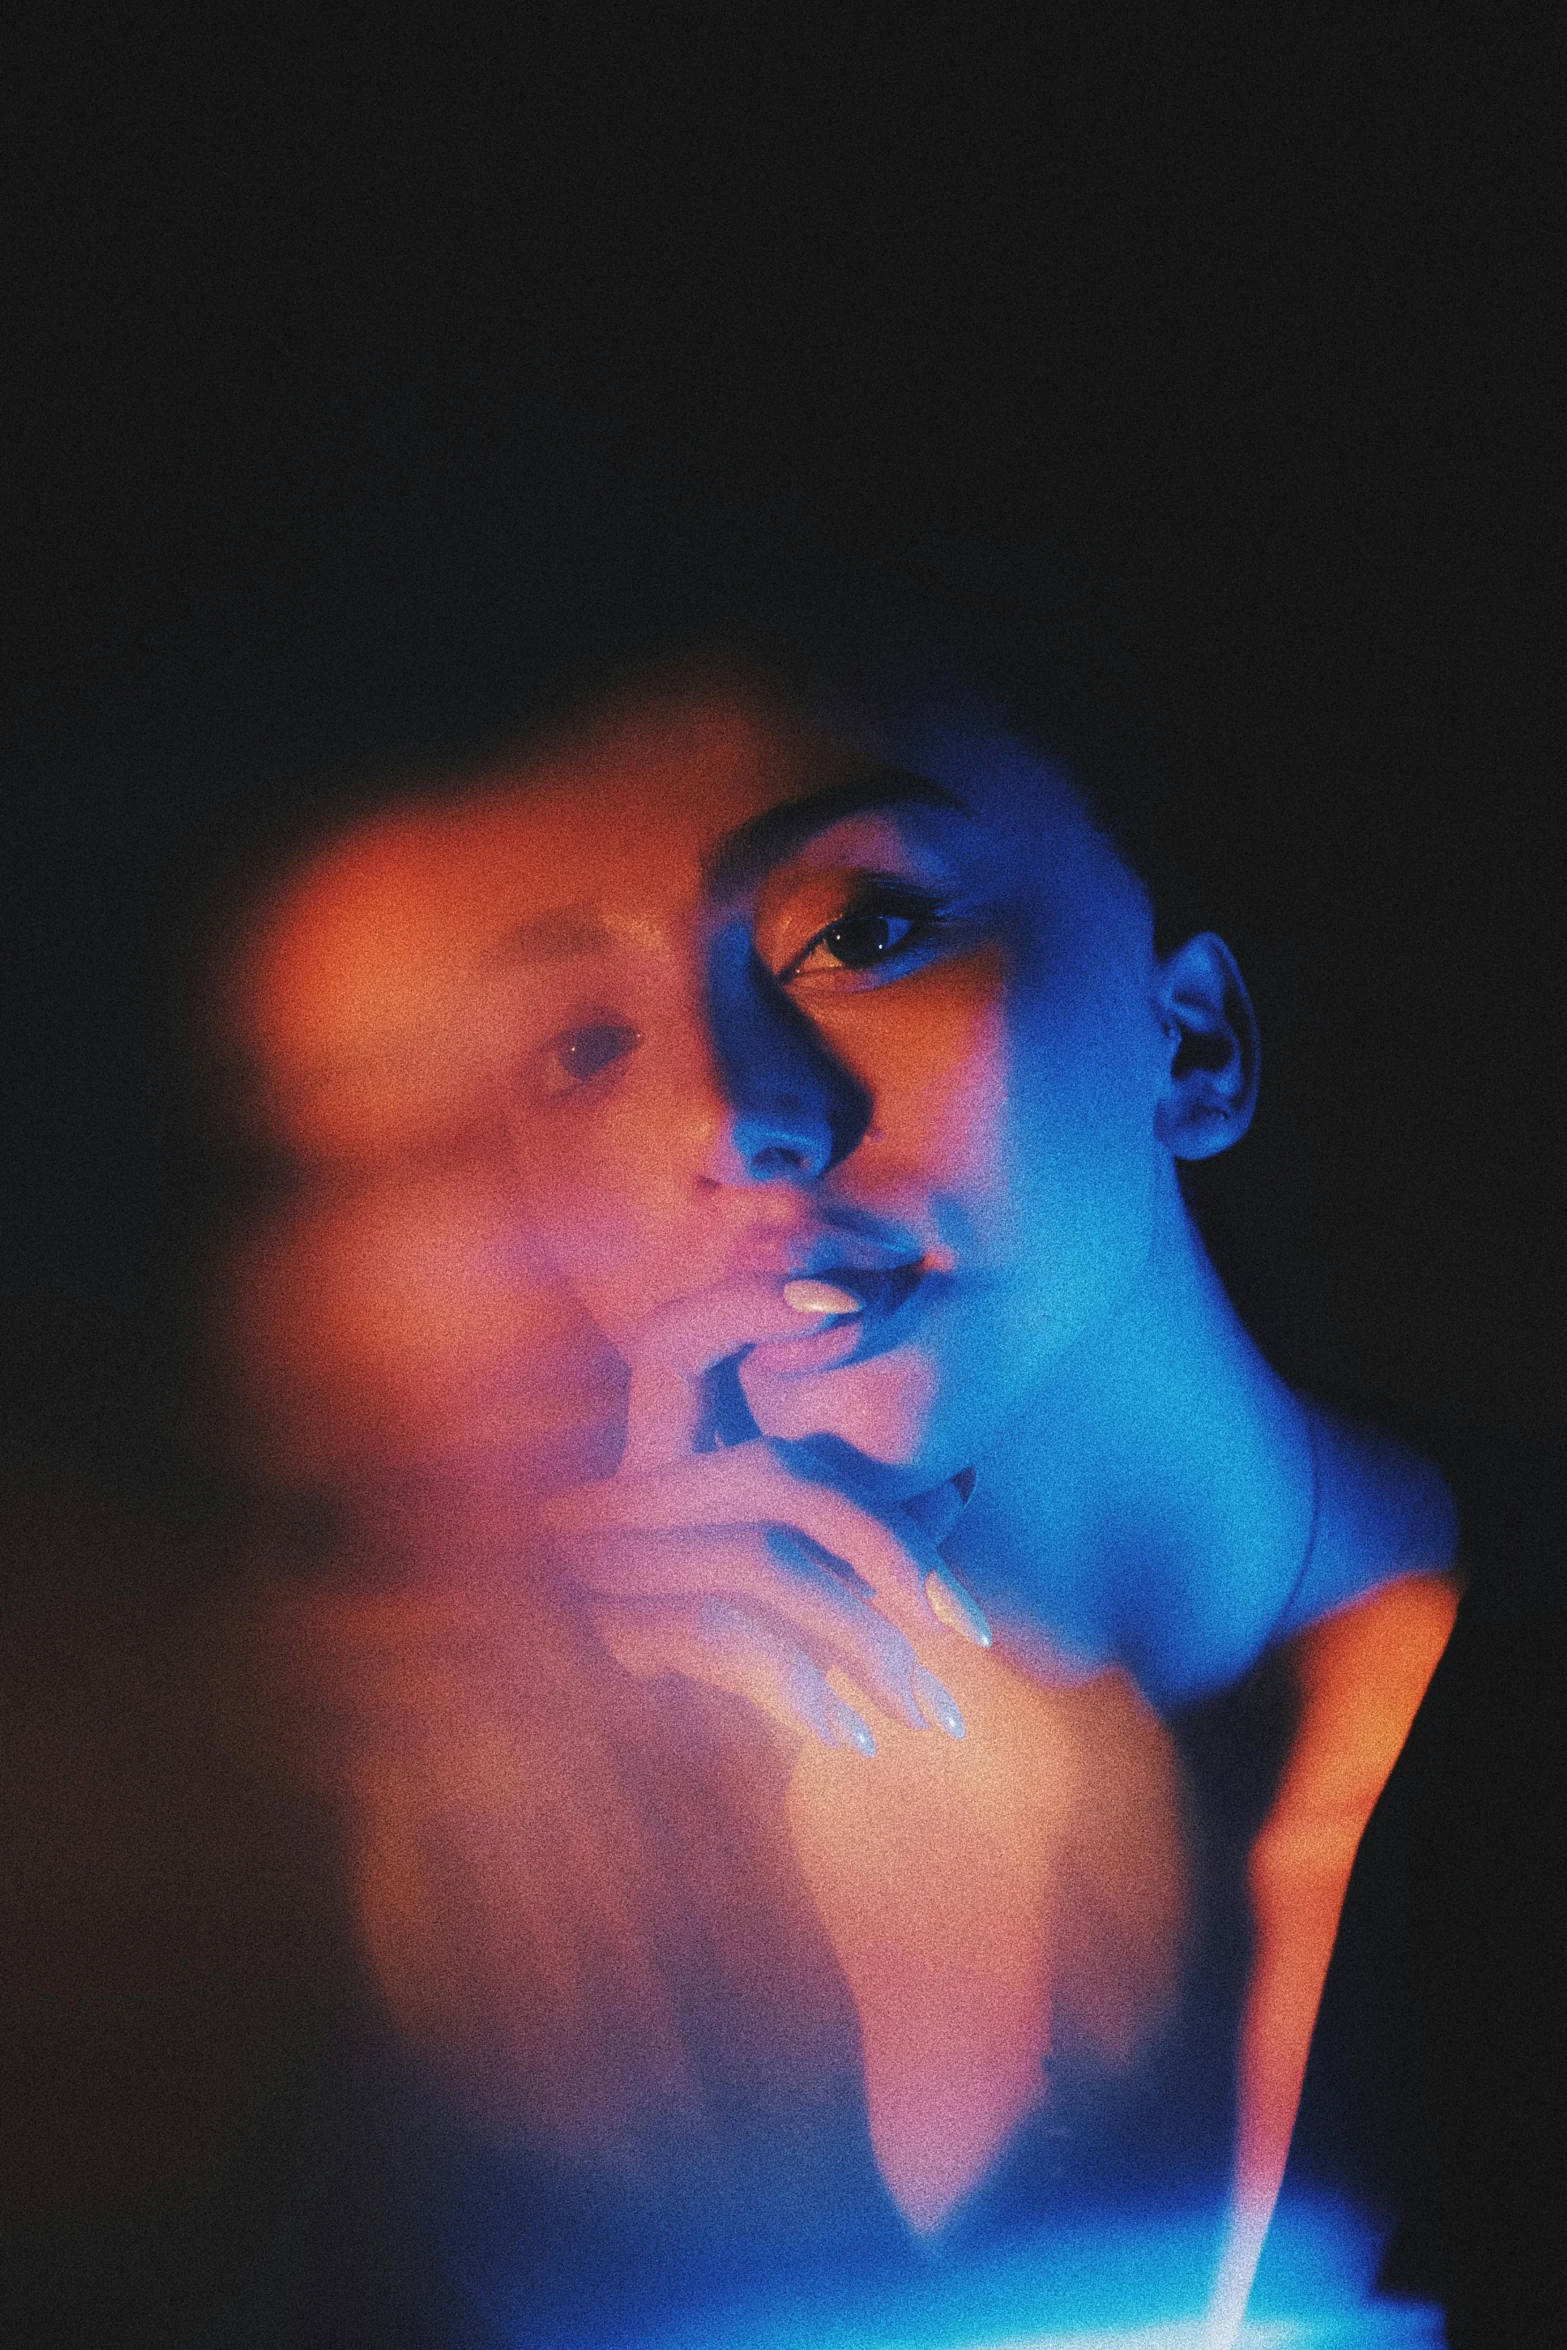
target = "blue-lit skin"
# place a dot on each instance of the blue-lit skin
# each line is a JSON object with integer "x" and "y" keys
{"x": 1005, "y": 1092}
{"x": 1089, "y": 1359}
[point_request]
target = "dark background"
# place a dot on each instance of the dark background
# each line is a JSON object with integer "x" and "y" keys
{"x": 1255, "y": 313}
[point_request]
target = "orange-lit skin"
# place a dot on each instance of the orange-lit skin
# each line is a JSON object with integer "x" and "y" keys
{"x": 1362, "y": 1671}
{"x": 394, "y": 1353}
{"x": 440, "y": 1319}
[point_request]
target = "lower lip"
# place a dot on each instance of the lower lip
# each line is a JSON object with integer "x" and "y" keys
{"x": 842, "y": 1337}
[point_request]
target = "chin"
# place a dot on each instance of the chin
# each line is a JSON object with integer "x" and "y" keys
{"x": 883, "y": 1408}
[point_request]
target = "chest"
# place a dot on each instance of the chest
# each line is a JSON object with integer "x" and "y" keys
{"x": 987, "y": 1900}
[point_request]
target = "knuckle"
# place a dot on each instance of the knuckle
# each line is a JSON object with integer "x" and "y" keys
{"x": 804, "y": 1686}
{"x": 887, "y": 1645}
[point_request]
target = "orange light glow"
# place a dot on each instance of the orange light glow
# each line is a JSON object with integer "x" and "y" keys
{"x": 1361, "y": 1673}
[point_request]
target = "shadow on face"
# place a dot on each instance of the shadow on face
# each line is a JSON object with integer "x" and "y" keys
{"x": 697, "y": 991}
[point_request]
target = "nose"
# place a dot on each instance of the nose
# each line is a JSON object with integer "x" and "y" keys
{"x": 795, "y": 1111}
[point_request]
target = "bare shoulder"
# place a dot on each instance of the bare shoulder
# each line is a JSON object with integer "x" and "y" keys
{"x": 1385, "y": 1512}
{"x": 1367, "y": 1631}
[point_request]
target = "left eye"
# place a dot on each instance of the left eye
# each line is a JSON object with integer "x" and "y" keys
{"x": 865, "y": 939}
{"x": 857, "y": 941}
{"x": 582, "y": 1054}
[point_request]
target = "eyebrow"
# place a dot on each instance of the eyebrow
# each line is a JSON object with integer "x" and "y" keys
{"x": 744, "y": 856}
{"x": 554, "y": 937}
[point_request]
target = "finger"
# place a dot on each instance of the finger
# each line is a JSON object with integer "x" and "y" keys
{"x": 776, "y": 1569}
{"x": 750, "y": 1485}
{"x": 679, "y": 1345}
{"x": 727, "y": 1645}
{"x": 936, "y": 1702}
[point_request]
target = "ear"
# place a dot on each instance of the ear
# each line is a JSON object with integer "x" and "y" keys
{"x": 1210, "y": 1089}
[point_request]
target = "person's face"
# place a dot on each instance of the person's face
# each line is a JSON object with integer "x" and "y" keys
{"x": 758, "y": 1000}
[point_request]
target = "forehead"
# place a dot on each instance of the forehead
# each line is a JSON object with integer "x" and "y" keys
{"x": 363, "y": 955}
{"x": 623, "y": 808}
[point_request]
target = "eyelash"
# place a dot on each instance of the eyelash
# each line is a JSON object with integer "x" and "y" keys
{"x": 927, "y": 919}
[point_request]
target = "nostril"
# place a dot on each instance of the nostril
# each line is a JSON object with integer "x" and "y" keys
{"x": 776, "y": 1158}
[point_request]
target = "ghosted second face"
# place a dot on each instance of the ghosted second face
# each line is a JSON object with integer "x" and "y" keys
{"x": 756, "y": 998}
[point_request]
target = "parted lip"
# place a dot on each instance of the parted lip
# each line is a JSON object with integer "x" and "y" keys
{"x": 889, "y": 1293}
{"x": 858, "y": 1261}
{"x": 884, "y": 1268}
{"x": 883, "y": 1288}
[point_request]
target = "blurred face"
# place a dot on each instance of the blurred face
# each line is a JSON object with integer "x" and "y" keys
{"x": 750, "y": 998}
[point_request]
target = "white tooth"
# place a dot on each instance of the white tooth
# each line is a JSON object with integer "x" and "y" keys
{"x": 821, "y": 1297}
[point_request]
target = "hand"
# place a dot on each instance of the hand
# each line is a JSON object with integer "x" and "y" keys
{"x": 738, "y": 1569}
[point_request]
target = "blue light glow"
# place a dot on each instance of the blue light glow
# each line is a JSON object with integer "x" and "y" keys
{"x": 1105, "y": 2288}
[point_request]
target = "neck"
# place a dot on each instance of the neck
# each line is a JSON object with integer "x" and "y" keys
{"x": 1152, "y": 1502}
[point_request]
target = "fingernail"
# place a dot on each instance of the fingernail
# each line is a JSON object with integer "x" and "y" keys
{"x": 856, "y": 1732}
{"x": 937, "y": 1703}
{"x": 821, "y": 1297}
{"x": 951, "y": 1605}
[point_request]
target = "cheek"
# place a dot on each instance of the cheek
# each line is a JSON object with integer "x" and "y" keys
{"x": 393, "y": 1324}
{"x": 1012, "y": 1118}
{"x": 604, "y": 1186}
{"x": 935, "y": 1056}
{"x": 1019, "y": 1124}
{"x": 1081, "y": 1167}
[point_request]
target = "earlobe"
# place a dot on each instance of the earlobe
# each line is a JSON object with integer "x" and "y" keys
{"x": 1210, "y": 1085}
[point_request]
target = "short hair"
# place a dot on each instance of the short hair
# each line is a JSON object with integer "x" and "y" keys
{"x": 622, "y": 578}
{"x": 838, "y": 616}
